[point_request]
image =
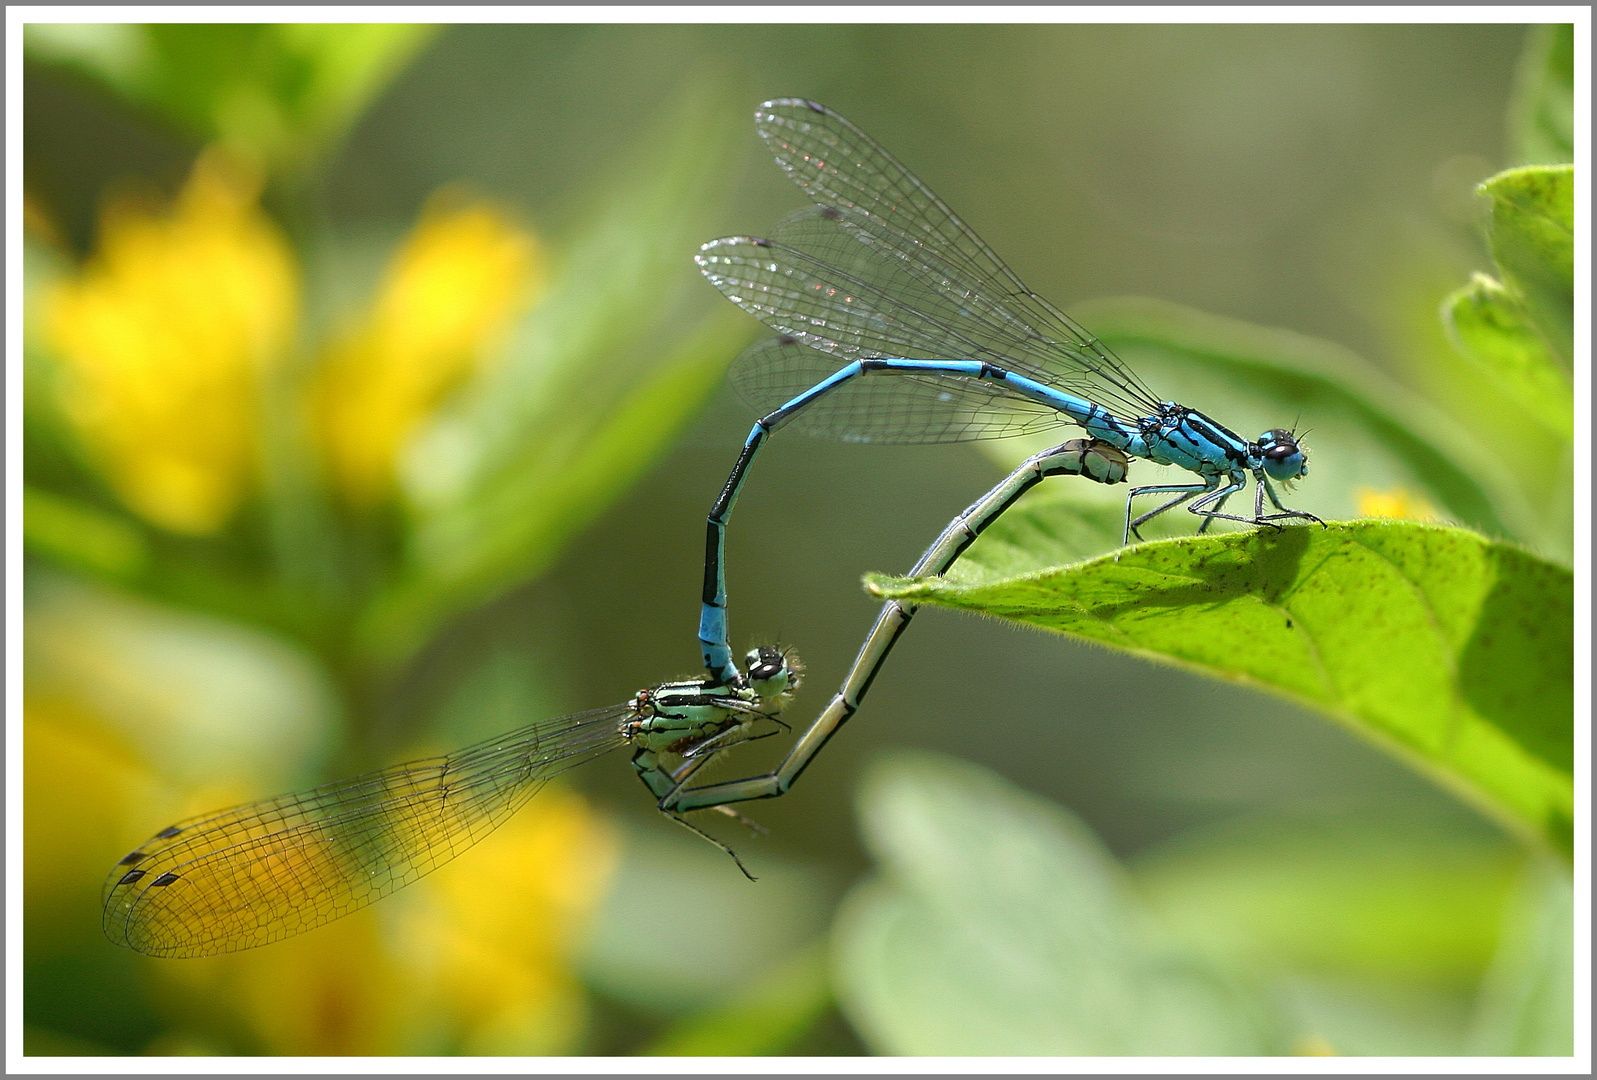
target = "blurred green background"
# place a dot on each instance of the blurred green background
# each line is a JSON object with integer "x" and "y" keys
{"x": 374, "y": 406}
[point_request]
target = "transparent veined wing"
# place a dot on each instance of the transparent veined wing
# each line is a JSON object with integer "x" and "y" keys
{"x": 916, "y": 237}
{"x": 267, "y": 870}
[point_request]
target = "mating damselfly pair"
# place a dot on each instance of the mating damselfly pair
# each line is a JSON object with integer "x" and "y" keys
{"x": 897, "y": 324}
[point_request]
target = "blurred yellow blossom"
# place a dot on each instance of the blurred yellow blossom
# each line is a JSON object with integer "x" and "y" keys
{"x": 164, "y": 338}
{"x": 331, "y": 992}
{"x": 493, "y": 939}
{"x": 447, "y": 299}
{"x": 1396, "y": 503}
{"x": 80, "y": 789}
{"x": 1313, "y": 1046}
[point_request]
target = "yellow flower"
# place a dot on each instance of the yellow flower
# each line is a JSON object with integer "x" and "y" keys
{"x": 1396, "y": 503}
{"x": 163, "y": 341}
{"x": 332, "y": 992}
{"x": 493, "y": 934}
{"x": 166, "y": 335}
{"x": 445, "y": 303}
{"x": 79, "y": 790}
{"x": 1313, "y": 1046}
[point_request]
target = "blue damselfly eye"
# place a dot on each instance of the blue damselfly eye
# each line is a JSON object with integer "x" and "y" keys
{"x": 1283, "y": 458}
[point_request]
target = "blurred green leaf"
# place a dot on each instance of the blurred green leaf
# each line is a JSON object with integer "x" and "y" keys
{"x": 1364, "y": 430}
{"x": 621, "y": 353}
{"x": 1541, "y": 118}
{"x": 81, "y": 536}
{"x": 765, "y": 1018}
{"x": 1399, "y": 293}
{"x": 1519, "y": 332}
{"x": 1361, "y": 1019}
{"x": 42, "y": 1042}
{"x": 1379, "y": 898}
{"x": 507, "y": 683}
{"x": 277, "y": 92}
{"x": 754, "y": 929}
{"x": 999, "y": 925}
{"x": 115, "y": 53}
{"x": 1453, "y": 651}
{"x": 42, "y": 269}
{"x": 1527, "y": 1004}
{"x": 1372, "y": 928}
{"x": 1533, "y": 241}
{"x": 1486, "y": 323}
{"x": 199, "y": 699}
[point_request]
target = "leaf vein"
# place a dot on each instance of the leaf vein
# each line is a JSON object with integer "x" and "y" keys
{"x": 1455, "y": 723}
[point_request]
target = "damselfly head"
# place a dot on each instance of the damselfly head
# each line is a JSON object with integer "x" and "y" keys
{"x": 772, "y": 672}
{"x": 1284, "y": 458}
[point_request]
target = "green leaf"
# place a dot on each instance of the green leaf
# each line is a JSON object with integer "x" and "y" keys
{"x": 672, "y": 880}
{"x": 117, "y": 54}
{"x": 1365, "y": 430}
{"x": 1527, "y": 1006}
{"x": 1487, "y": 324}
{"x": 1533, "y": 240}
{"x": 1370, "y": 1020}
{"x": 277, "y": 92}
{"x": 765, "y": 1018}
{"x": 623, "y": 350}
{"x": 998, "y": 925}
{"x": 1372, "y": 927}
{"x": 1451, "y": 650}
{"x": 1377, "y": 898}
{"x": 81, "y": 536}
{"x": 1541, "y": 118}
{"x": 42, "y": 1042}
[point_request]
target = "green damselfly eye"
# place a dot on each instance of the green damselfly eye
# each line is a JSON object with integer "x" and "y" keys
{"x": 771, "y": 671}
